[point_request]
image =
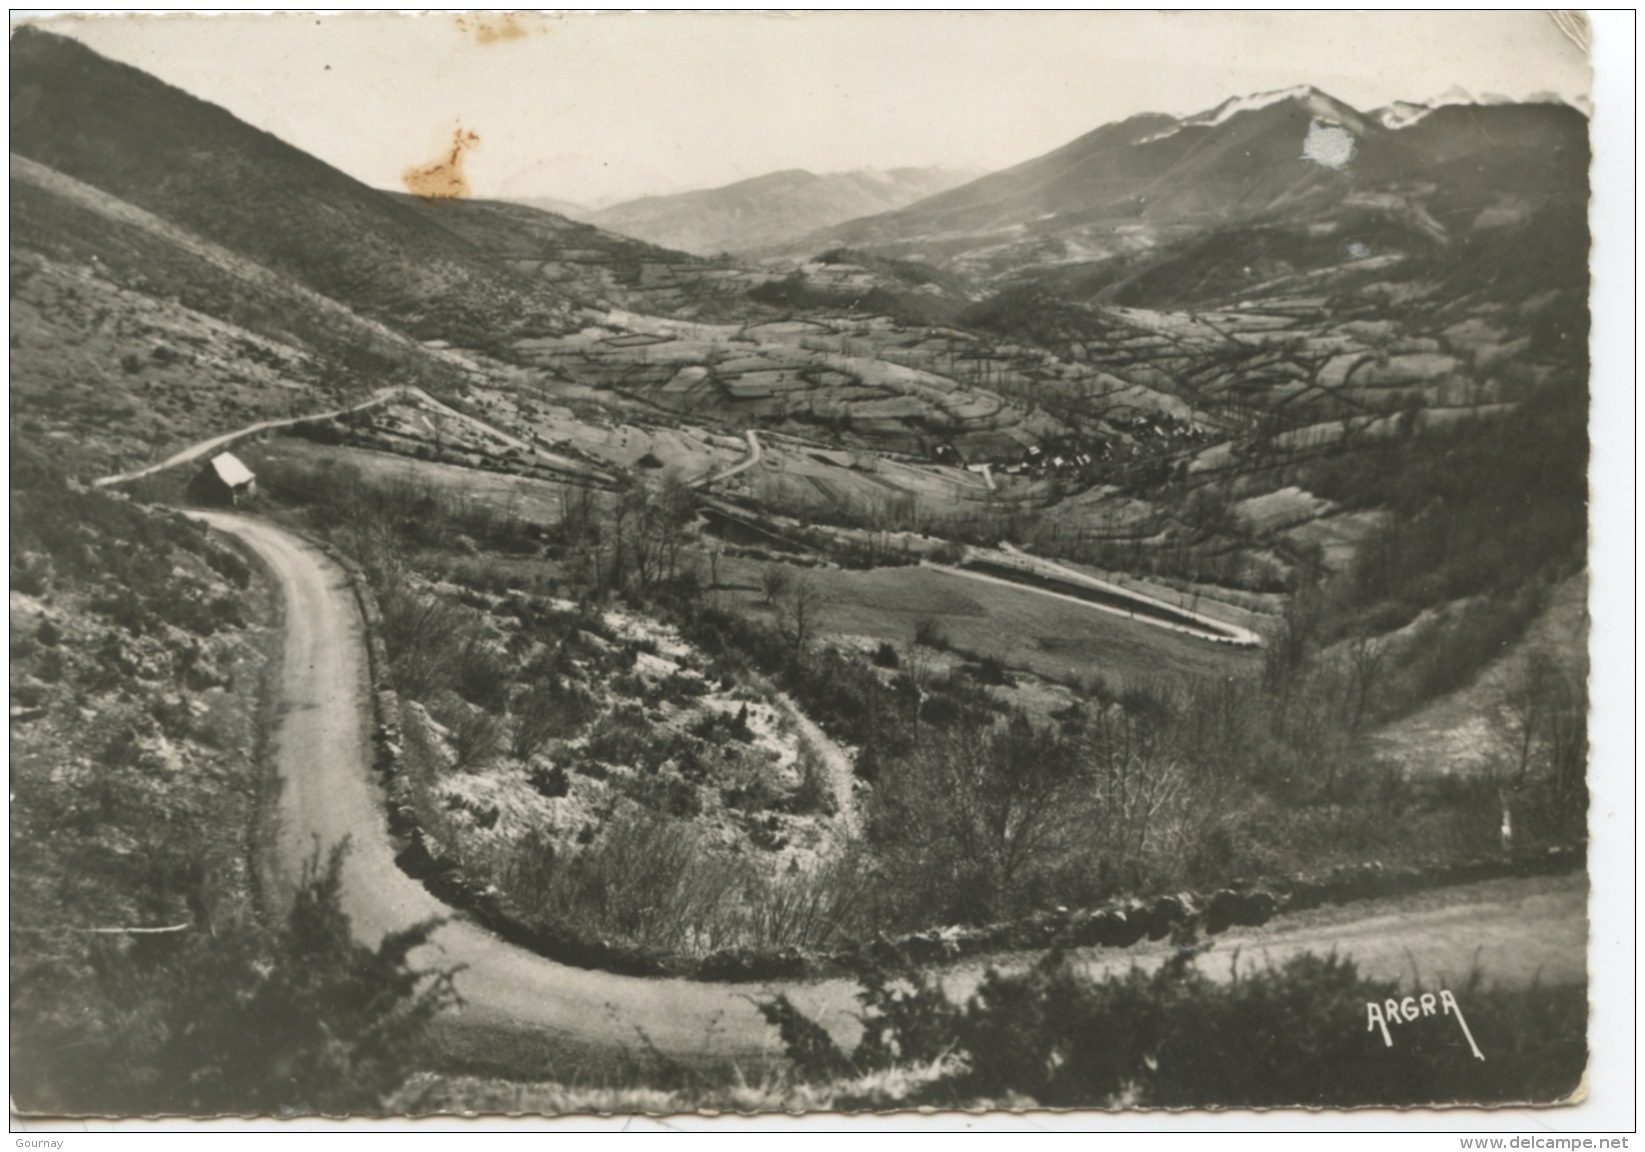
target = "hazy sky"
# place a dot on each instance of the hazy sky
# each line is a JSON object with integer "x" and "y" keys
{"x": 592, "y": 107}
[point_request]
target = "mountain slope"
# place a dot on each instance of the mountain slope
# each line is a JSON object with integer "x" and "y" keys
{"x": 132, "y": 335}
{"x": 69, "y": 221}
{"x": 195, "y": 164}
{"x": 1297, "y": 157}
{"x": 1106, "y": 158}
{"x": 583, "y": 260}
{"x": 567, "y": 208}
{"x": 770, "y": 209}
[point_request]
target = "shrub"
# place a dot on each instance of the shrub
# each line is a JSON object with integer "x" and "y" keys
{"x": 941, "y": 711}
{"x": 680, "y": 689}
{"x": 622, "y": 737}
{"x": 647, "y": 881}
{"x": 949, "y": 552}
{"x": 593, "y": 769}
{"x": 422, "y": 634}
{"x": 668, "y": 794}
{"x": 629, "y": 684}
{"x": 51, "y": 666}
{"x": 475, "y": 735}
{"x": 30, "y": 575}
{"x": 815, "y": 793}
{"x": 230, "y": 566}
{"x": 551, "y": 781}
{"x": 297, "y": 1020}
{"x": 754, "y": 791}
{"x": 125, "y": 609}
{"x": 885, "y": 656}
{"x": 991, "y": 670}
{"x": 550, "y": 709}
{"x": 928, "y": 633}
{"x": 482, "y": 673}
{"x": 319, "y": 431}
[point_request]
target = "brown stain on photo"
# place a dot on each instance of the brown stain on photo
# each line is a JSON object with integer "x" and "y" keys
{"x": 442, "y": 178}
{"x": 496, "y": 27}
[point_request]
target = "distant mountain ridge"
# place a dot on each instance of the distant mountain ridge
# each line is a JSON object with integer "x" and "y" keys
{"x": 1128, "y": 186}
{"x": 570, "y": 209}
{"x": 770, "y": 209}
{"x": 1404, "y": 113}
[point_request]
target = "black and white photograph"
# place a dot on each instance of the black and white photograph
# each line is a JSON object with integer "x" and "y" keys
{"x": 604, "y": 563}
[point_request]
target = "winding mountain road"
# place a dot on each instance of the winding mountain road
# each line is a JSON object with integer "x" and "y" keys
{"x": 742, "y": 465}
{"x": 530, "y": 1017}
{"x": 381, "y": 396}
{"x": 195, "y": 451}
{"x": 322, "y": 755}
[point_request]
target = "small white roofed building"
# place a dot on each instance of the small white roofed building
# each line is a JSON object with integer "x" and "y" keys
{"x": 223, "y": 482}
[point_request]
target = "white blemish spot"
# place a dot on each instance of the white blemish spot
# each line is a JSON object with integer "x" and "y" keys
{"x": 1329, "y": 144}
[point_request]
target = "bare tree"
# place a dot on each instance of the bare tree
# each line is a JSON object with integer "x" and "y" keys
{"x": 620, "y": 512}
{"x": 676, "y": 505}
{"x": 1542, "y": 732}
{"x": 1366, "y": 656}
{"x": 1566, "y": 743}
{"x": 775, "y": 581}
{"x": 799, "y": 611}
{"x": 1524, "y": 711}
{"x": 580, "y": 529}
{"x": 971, "y": 814}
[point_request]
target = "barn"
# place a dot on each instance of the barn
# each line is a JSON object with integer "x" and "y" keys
{"x": 223, "y": 482}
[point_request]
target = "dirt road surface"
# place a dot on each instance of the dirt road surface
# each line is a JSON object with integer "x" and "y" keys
{"x": 381, "y": 396}
{"x": 530, "y": 1017}
{"x": 195, "y": 451}
{"x": 742, "y": 465}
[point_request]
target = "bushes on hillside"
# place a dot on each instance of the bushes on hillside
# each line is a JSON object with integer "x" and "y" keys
{"x": 295, "y": 1020}
{"x": 550, "y": 709}
{"x": 1297, "y": 1034}
{"x": 1482, "y": 510}
{"x": 647, "y": 882}
{"x": 437, "y": 646}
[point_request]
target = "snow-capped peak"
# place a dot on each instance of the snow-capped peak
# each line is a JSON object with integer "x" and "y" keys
{"x": 1401, "y": 114}
{"x": 1323, "y": 108}
{"x": 1404, "y": 113}
{"x": 1234, "y": 105}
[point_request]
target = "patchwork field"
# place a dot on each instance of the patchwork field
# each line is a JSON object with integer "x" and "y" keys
{"x": 294, "y": 464}
{"x": 1048, "y": 636}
